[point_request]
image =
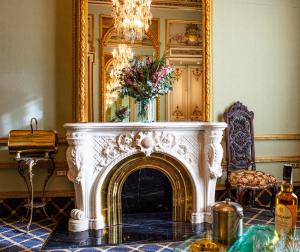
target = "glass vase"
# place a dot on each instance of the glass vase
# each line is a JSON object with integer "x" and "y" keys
{"x": 145, "y": 111}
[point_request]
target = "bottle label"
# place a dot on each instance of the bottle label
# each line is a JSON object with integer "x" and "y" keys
{"x": 283, "y": 219}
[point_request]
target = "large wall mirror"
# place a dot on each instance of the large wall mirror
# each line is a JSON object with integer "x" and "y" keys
{"x": 180, "y": 30}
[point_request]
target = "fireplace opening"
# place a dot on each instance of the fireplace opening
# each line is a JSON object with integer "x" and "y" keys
{"x": 146, "y": 195}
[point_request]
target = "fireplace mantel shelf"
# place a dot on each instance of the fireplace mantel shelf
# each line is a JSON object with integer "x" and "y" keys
{"x": 140, "y": 125}
{"x": 97, "y": 152}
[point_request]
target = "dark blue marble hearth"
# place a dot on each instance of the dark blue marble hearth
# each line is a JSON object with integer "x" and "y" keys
{"x": 136, "y": 229}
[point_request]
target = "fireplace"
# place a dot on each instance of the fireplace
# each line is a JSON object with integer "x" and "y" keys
{"x": 104, "y": 157}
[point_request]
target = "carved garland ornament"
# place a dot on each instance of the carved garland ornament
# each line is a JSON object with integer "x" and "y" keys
{"x": 146, "y": 142}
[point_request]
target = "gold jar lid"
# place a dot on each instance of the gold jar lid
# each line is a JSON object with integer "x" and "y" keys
{"x": 228, "y": 207}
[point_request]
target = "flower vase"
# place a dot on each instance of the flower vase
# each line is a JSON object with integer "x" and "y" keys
{"x": 145, "y": 111}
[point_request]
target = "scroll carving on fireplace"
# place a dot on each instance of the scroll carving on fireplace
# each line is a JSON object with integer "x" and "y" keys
{"x": 74, "y": 159}
{"x": 215, "y": 154}
{"x": 146, "y": 142}
{"x": 77, "y": 214}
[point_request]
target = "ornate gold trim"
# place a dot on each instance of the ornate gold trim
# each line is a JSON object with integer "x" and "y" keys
{"x": 81, "y": 50}
{"x": 272, "y": 159}
{"x": 207, "y": 66}
{"x": 176, "y": 173}
{"x": 178, "y": 72}
{"x": 277, "y": 137}
{"x": 197, "y": 73}
{"x": 278, "y": 159}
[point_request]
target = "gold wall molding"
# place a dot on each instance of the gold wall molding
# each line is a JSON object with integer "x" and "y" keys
{"x": 272, "y": 159}
{"x": 277, "y": 137}
{"x": 277, "y": 159}
{"x": 24, "y": 194}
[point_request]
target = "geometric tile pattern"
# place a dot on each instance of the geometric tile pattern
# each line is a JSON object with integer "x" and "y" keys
{"x": 56, "y": 207}
{"x": 13, "y": 235}
{"x": 262, "y": 197}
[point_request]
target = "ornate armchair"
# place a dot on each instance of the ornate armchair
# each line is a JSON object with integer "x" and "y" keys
{"x": 241, "y": 169}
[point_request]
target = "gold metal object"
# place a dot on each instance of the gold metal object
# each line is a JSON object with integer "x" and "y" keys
{"x": 227, "y": 222}
{"x": 176, "y": 173}
{"x": 32, "y": 141}
{"x": 206, "y": 245}
{"x": 80, "y": 70}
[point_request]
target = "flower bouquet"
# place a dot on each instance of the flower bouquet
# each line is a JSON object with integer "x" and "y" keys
{"x": 144, "y": 80}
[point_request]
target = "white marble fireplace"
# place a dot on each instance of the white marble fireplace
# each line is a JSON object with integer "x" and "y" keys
{"x": 100, "y": 156}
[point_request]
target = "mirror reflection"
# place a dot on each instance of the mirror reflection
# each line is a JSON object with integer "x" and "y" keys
{"x": 169, "y": 30}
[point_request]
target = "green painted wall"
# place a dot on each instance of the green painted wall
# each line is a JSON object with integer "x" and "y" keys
{"x": 256, "y": 60}
{"x": 35, "y": 76}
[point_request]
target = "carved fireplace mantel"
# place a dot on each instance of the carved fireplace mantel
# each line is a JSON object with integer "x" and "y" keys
{"x": 98, "y": 153}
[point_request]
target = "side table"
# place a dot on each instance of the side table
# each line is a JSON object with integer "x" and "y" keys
{"x": 26, "y": 172}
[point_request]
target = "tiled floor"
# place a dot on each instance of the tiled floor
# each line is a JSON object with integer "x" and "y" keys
{"x": 13, "y": 236}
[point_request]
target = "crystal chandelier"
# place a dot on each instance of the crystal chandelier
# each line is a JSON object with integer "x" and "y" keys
{"x": 121, "y": 58}
{"x": 132, "y": 18}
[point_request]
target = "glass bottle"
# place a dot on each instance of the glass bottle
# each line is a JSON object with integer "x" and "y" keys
{"x": 286, "y": 204}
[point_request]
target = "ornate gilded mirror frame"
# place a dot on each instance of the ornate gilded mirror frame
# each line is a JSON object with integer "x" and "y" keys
{"x": 82, "y": 99}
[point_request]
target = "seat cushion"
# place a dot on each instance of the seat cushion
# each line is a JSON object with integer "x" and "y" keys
{"x": 251, "y": 179}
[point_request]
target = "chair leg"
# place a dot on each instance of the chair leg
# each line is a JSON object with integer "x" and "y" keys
{"x": 240, "y": 192}
{"x": 252, "y": 203}
{"x": 228, "y": 189}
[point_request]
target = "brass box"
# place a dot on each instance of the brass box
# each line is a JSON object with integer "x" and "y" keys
{"x": 32, "y": 141}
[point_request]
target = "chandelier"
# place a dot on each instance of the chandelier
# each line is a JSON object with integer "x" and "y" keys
{"x": 132, "y": 18}
{"x": 121, "y": 58}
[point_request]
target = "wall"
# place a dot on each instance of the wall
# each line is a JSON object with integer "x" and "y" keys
{"x": 256, "y": 60}
{"x": 35, "y": 76}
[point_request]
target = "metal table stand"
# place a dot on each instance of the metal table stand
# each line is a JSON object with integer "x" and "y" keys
{"x": 26, "y": 172}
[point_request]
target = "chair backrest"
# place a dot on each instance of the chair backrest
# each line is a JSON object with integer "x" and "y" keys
{"x": 239, "y": 137}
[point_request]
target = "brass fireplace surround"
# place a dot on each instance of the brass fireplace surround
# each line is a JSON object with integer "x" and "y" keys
{"x": 181, "y": 186}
